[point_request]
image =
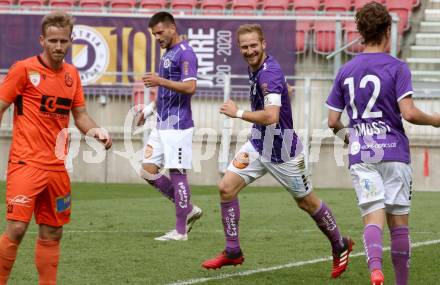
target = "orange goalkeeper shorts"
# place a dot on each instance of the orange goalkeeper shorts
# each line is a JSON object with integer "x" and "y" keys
{"x": 43, "y": 192}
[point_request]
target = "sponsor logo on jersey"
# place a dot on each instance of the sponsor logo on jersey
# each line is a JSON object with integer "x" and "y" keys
{"x": 34, "y": 78}
{"x": 90, "y": 53}
{"x": 57, "y": 105}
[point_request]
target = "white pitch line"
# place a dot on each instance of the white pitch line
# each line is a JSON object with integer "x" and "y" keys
{"x": 162, "y": 231}
{"x": 288, "y": 265}
{"x": 200, "y": 231}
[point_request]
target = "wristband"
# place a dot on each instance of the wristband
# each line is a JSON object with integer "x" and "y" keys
{"x": 239, "y": 113}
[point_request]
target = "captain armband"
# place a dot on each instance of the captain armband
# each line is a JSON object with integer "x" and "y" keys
{"x": 272, "y": 99}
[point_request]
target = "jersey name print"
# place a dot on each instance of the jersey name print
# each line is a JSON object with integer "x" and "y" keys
{"x": 370, "y": 87}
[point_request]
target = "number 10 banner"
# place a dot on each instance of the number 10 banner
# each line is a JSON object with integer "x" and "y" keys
{"x": 116, "y": 50}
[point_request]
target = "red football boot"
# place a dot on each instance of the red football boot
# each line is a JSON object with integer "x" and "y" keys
{"x": 224, "y": 259}
{"x": 340, "y": 261}
{"x": 377, "y": 277}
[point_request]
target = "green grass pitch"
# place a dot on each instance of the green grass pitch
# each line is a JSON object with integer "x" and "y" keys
{"x": 110, "y": 239}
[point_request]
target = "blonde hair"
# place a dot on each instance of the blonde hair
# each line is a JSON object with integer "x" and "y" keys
{"x": 58, "y": 19}
{"x": 250, "y": 28}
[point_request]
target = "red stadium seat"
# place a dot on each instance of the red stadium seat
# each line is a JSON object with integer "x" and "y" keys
{"x": 336, "y": 6}
{"x": 31, "y": 3}
{"x": 351, "y": 33}
{"x": 244, "y": 7}
{"x": 302, "y": 36}
{"x": 302, "y": 6}
{"x": 6, "y": 4}
{"x": 324, "y": 37}
{"x": 152, "y": 5}
{"x": 62, "y": 3}
{"x": 91, "y": 5}
{"x": 122, "y": 5}
{"x": 403, "y": 10}
{"x": 213, "y": 7}
{"x": 184, "y": 6}
{"x": 275, "y": 7}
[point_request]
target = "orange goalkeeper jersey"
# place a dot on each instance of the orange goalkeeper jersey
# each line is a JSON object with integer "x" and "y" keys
{"x": 42, "y": 101}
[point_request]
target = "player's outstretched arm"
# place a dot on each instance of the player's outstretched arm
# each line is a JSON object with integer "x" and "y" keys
{"x": 270, "y": 115}
{"x": 414, "y": 115}
{"x": 183, "y": 87}
{"x": 334, "y": 123}
{"x": 3, "y": 106}
{"x": 87, "y": 126}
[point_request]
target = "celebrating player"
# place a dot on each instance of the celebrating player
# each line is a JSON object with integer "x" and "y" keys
{"x": 170, "y": 143}
{"x": 44, "y": 90}
{"x": 376, "y": 90}
{"x": 273, "y": 147}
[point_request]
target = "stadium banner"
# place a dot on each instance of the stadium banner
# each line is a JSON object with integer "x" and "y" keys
{"x": 118, "y": 50}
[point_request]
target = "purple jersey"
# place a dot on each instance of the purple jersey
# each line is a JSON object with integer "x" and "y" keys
{"x": 370, "y": 87}
{"x": 278, "y": 142}
{"x": 179, "y": 63}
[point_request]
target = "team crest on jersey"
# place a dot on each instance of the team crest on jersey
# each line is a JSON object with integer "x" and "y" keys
{"x": 241, "y": 160}
{"x": 34, "y": 78}
{"x": 166, "y": 63}
{"x": 68, "y": 80}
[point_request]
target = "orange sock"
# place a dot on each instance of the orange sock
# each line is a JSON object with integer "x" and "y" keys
{"x": 8, "y": 253}
{"x": 47, "y": 254}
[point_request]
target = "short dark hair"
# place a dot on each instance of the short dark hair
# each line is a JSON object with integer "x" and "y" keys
{"x": 58, "y": 19}
{"x": 373, "y": 22}
{"x": 161, "y": 17}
